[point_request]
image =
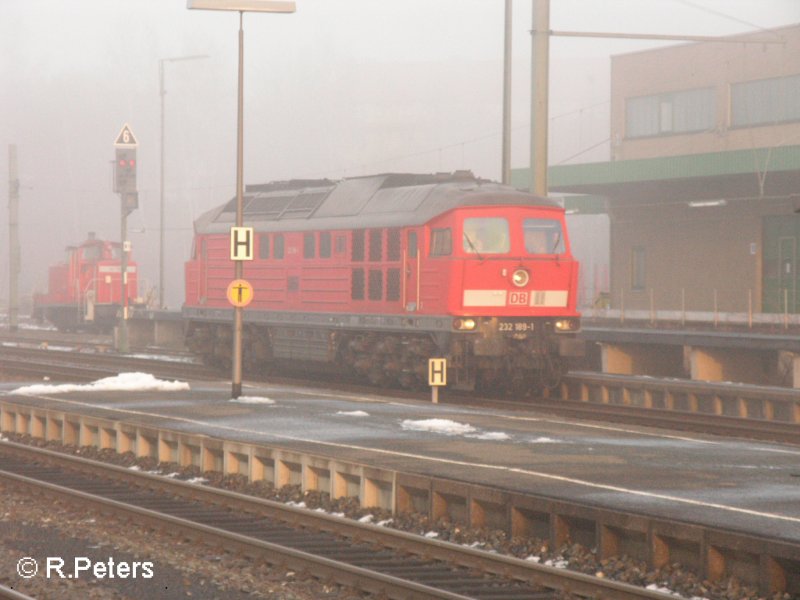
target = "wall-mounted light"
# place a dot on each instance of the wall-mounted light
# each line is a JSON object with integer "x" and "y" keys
{"x": 707, "y": 203}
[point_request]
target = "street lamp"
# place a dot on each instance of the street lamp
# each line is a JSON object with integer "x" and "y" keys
{"x": 162, "y": 92}
{"x": 241, "y": 6}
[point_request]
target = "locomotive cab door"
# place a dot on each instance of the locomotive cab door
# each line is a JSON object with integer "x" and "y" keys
{"x": 411, "y": 271}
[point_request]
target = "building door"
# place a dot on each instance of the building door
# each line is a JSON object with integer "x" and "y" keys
{"x": 779, "y": 245}
{"x": 788, "y": 273}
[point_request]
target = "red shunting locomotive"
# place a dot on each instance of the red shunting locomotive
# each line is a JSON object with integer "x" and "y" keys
{"x": 375, "y": 275}
{"x": 85, "y": 291}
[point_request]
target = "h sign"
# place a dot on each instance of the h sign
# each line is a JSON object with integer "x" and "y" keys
{"x": 437, "y": 371}
{"x": 241, "y": 243}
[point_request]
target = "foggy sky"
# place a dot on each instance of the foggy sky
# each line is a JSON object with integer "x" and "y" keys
{"x": 341, "y": 88}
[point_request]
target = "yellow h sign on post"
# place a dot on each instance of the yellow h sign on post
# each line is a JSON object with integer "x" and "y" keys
{"x": 437, "y": 376}
{"x": 242, "y": 243}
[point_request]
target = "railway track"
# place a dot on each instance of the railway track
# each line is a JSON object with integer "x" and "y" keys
{"x": 374, "y": 559}
{"x": 85, "y": 366}
{"x": 749, "y": 411}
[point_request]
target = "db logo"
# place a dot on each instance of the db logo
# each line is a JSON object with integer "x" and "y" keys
{"x": 518, "y": 298}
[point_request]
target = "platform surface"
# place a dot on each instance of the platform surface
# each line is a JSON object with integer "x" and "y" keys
{"x": 753, "y": 487}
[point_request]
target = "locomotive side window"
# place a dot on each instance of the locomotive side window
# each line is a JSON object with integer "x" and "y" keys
{"x": 393, "y": 245}
{"x": 375, "y": 245}
{"x": 358, "y": 245}
{"x": 412, "y": 244}
{"x": 441, "y": 242}
{"x": 325, "y": 244}
{"x": 393, "y": 285}
{"x": 341, "y": 244}
{"x": 543, "y": 236}
{"x": 277, "y": 248}
{"x": 486, "y": 235}
{"x": 357, "y": 285}
{"x": 309, "y": 245}
{"x": 263, "y": 245}
{"x": 375, "y": 284}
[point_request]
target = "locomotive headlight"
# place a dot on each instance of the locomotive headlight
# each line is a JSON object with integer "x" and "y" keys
{"x": 564, "y": 325}
{"x": 464, "y": 324}
{"x": 520, "y": 278}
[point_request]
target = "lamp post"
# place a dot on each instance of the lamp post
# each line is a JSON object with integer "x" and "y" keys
{"x": 241, "y": 6}
{"x": 162, "y": 92}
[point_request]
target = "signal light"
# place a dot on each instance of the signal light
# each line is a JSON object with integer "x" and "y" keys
{"x": 125, "y": 171}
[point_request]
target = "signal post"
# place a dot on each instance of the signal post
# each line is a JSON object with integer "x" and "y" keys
{"x": 125, "y": 185}
{"x": 240, "y": 293}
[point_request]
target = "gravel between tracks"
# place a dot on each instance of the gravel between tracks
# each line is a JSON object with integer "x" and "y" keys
{"x": 573, "y": 556}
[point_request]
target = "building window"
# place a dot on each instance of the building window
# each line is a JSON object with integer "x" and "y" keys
{"x": 277, "y": 245}
{"x": 672, "y": 113}
{"x": 765, "y": 101}
{"x": 325, "y": 244}
{"x": 637, "y": 268}
{"x": 263, "y": 245}
{"x": 441, "y": 242}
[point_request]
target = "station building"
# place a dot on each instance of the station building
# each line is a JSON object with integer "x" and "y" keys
{"x": 702, "y": 189}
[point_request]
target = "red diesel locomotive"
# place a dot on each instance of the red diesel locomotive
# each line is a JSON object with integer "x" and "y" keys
{"x": 85, "y": 291}
{"x": 374, "y": 275}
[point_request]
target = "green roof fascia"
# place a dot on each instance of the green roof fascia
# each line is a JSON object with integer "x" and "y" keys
{"x": 731, "y": 162}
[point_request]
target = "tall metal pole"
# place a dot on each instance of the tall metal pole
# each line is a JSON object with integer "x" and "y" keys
{"x": 161, "y": 93}
{"x": 540, "y": 35}
{"x": 506, "y": 160}
{"x": 236, "y": 388}
{"x": 13, "y": 238}
{"x": 122, "y": 346}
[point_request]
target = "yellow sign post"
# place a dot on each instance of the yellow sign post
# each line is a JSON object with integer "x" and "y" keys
{"x": 437, "y": 376}
{"x": 240, "y": 293}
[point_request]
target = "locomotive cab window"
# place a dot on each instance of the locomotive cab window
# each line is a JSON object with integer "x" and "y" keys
{"x": 91, "y": 253}
{"x": 486, "y": 235}
{"x": 277, "y": 248}
{"x": 543, "y": 236}
{"x": 441, "y": 242}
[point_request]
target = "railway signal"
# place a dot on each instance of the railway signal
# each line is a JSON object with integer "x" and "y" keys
{"x": 125, "y": 146}
{"x": 125, "y": 171}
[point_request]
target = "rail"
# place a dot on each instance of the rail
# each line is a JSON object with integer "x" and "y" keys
{"x": 436, "y": 565}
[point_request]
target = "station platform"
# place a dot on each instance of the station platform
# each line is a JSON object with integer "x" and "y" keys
{"x": 366, "y": 444}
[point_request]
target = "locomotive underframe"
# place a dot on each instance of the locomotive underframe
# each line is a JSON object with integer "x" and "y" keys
{"x": 390, "y": 350}
{"x": 74, "y": 317}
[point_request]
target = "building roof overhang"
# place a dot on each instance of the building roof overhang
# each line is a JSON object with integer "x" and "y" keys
{"x": 753, "y": 173}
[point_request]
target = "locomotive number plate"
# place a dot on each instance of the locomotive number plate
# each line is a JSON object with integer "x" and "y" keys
{"x": 515, "y": 326}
